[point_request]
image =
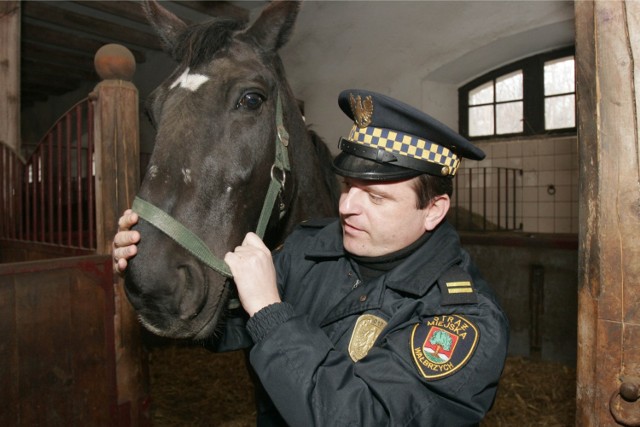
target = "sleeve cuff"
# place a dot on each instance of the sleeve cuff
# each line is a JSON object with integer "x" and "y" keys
{"x": 265, "y": 320}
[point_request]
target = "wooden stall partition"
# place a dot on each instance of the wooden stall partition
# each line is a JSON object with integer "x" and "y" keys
{"x": 117, "y": 174}
{"x": 608, "y": 90}
{"x": 57, "y": 343}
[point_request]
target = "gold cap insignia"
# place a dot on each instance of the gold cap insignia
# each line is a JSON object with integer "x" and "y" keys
{"x": 365, "y": 333}
{"x": 362, "y": 110}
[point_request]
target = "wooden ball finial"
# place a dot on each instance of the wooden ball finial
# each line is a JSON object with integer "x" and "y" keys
{"x": 114, "y": 62}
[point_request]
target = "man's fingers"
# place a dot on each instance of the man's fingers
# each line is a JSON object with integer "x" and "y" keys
{"x": 252, "y": 239}
{"x": 126, "y": 238}
{"x": 125, "y": 252}
{"x": 128, "y": 219}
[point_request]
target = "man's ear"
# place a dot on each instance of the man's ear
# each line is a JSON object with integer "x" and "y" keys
{"x": 436, "y": 211}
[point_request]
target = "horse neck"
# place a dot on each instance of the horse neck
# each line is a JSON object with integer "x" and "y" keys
{"x": 315, "y": 188}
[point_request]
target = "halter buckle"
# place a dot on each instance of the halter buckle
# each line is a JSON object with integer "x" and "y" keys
{"x": 283, "y": 176}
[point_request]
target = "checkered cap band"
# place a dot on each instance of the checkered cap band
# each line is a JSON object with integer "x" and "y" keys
{"x": 405, "y": 145}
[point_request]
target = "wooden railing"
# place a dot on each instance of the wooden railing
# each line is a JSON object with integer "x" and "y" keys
{"x": 70, "y": 192}
{"x": 50, "y": 198}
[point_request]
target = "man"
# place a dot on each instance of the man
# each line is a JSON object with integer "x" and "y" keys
{"x": 378, "y": 318}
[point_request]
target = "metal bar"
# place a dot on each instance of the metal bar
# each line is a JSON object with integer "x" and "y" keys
{"x": 498, "y": 201}
{"x": 59, "y": 181}
{"x": 50, "y": 192}
{"x": 484, "y": 199}
{"x": 78, "y": 117}
{"x": 506, "y": 199}
{"x": 536, "y": 310}
{"x": 515, "y": 207}
{"x": 18, "y": 184}
{"x": 69, "y": 209}
{"x": 470, "y": 216}
{"x": 43, "y": 214}
{"x": 90, "y": 179}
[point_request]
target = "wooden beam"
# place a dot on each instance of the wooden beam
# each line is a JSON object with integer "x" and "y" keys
{"x": 48, "y": 84}
{"x": 216, "y": 8}
{"x": 66, "y": 19}
{"x": 45, "y": 35}
{"x": 607, "y": 48}
{"x": 56, "y": 70}
{"x": 131, "y": 10}
{"x": 55, "y": 55}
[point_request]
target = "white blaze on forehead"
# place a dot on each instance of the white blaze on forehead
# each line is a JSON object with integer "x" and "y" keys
{"x": 190, "y": 81}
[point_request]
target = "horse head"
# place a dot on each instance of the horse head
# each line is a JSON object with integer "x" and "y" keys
{"x": 213, "y": 161}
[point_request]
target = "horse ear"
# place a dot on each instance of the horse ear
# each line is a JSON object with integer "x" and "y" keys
{"x": 166, "y": 24}
{"x": 274, "y": 25}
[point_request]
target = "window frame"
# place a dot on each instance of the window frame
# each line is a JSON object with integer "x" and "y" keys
{"x": 532, "y": 97}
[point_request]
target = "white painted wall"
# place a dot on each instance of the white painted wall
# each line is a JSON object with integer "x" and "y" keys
{"x": 416, "y": 51}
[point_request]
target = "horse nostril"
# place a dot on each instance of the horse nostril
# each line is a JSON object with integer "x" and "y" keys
{"x": 192, "y": 291}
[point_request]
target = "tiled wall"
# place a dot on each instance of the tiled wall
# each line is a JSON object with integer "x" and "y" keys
{"x": 547, "y": 191}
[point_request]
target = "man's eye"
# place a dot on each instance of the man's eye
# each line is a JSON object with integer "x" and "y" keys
{"x": 250, "y": 101}
{"x": 375, "y": 198}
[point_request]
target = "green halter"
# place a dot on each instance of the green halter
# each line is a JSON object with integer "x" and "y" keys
{"x": 188, "y": 240}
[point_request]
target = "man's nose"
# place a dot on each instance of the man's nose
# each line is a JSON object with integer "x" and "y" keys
{"x": 349, "y": 202}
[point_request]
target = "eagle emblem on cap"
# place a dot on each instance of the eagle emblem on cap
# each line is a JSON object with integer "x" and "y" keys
{"x": 362, "y": 110}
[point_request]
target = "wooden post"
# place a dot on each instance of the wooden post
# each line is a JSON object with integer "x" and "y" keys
{"x": 10, "y": 74}
{"x": 117, "y": 160}
{"x": 608, "y": 90}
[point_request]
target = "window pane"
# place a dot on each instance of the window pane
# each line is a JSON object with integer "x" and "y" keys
{"x": 482, "y": 94}
{"x": 481, "y": 120}
{"x": 509, "y": 87}
{"x": 559, "y": 76}
{"x": 509, "y": 118}
{"x": 559, "y": 112}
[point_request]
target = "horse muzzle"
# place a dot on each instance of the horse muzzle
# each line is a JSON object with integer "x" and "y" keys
{"x": 173, "y": 293}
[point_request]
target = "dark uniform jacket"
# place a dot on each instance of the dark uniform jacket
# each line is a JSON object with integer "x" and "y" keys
{"x": 422, "y": 345}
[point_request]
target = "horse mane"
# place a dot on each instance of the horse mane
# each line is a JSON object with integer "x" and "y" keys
{"x": 198, "y": 43}
{"x": 326, "y": 158}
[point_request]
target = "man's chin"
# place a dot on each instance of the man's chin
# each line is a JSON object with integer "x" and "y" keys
{"x": 354, "y": 247}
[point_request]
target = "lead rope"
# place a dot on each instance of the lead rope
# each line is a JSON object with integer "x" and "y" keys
{"x": 192, "y": 243}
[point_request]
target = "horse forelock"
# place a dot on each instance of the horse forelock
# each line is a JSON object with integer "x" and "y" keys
{"x": 200, "y": 42}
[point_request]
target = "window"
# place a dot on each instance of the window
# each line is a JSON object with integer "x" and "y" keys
{"x": 530, "y": 97}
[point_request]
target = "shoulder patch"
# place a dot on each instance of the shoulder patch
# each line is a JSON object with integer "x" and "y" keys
{"x": 441, "y": 345}
{"x": 456, "y": 287}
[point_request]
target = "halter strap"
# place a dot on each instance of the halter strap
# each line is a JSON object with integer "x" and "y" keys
{"x": 189, "y": 240}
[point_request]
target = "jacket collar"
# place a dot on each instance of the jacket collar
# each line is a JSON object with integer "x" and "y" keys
{"x": 416, "y": 274}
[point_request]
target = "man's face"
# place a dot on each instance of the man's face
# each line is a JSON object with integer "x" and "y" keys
{"x": 379, "y": 218}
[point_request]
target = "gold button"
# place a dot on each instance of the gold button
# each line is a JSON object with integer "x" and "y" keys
{"x": 363, "y": 298}
{"x": 445, "y": 170}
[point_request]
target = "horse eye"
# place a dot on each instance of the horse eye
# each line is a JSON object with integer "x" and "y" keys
{"x": 250, "y": 101}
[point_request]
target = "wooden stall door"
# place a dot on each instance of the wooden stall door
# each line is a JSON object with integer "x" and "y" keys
{"x": 608, "y": 89}
{"x": 57, "y": 343}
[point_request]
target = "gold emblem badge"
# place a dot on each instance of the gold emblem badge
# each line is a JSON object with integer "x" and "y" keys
{"x": 362, "y": 110}
{"x": 365, "y": 333}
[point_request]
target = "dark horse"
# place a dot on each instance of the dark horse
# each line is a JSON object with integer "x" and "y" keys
{"x": 212, "y": 163}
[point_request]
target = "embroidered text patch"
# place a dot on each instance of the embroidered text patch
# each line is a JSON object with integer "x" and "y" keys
{"x": 441, "y": 345}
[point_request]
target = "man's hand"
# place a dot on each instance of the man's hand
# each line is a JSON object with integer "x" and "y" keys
{"x": 125, "y": 240}
{"x": 254, "y": 274}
